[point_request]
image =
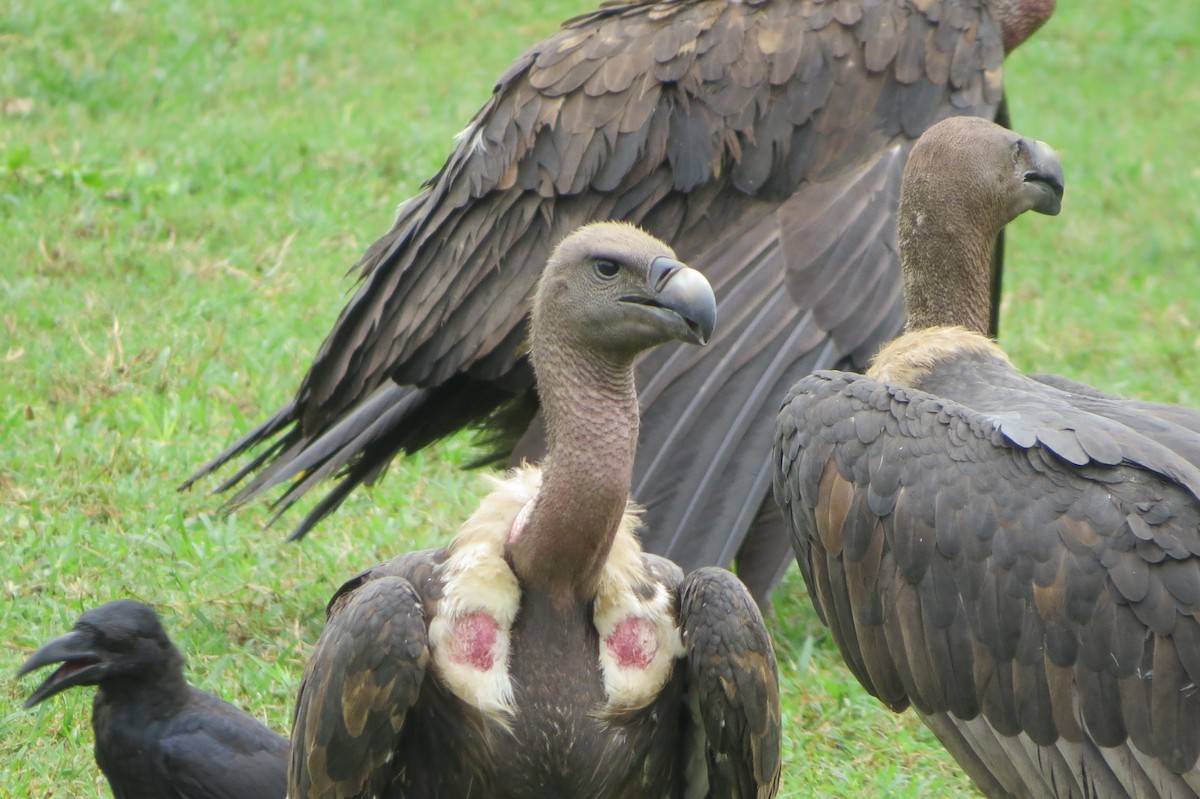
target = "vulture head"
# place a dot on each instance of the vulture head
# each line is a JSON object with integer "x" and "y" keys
{"x": 121, "y": 639}
{"x": 615, "y": 291}
{"x": 964, "y": 181}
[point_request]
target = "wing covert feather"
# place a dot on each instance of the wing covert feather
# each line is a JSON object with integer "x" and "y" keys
{"x": 733, "y": 688}
{"x": 697, "y": 83}
{"x": 364, "y": 674}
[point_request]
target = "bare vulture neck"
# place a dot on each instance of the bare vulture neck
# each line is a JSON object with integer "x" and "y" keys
{"x": 946, "y": 252}
{"x": 591, "y": 413}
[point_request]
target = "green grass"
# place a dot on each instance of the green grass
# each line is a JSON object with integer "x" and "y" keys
{"x": 182, "y": 187}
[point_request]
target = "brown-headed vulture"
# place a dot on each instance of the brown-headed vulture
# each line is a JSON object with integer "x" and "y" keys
{"x": 1017, "y": 557}
{"x": 542, "y": 654}
{"x": 157, "y": 737}
{"x": 763, "y": 139}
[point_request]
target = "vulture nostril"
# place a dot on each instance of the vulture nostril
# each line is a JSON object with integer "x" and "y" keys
{"x": 662, "y": 269}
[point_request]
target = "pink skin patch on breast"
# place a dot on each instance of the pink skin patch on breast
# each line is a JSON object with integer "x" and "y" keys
{"x": 633, "y": 643}
{"x": 474, "y": 640}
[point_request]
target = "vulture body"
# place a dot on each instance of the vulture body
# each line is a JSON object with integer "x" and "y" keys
{"x": 541, "y": 654}
{"x": 1017, "y": 557}
{"x": 157, "y": 737}
{"x": 763, "y": 139}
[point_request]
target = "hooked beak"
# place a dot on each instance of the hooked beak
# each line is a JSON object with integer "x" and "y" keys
{"x": 80, "y": 665}
{"x": 1044, "y": 177}
{"x": 682, "y": 297}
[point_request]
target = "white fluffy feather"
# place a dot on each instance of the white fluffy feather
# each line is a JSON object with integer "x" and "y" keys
{"x": 477, "y": 578}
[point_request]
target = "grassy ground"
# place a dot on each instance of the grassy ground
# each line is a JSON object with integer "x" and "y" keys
{"x": 182, "y": 186}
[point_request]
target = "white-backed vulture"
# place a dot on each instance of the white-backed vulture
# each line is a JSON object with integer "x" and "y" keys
{"x": 763, "y": 139}
{"x": 541, "y": 654}
{"x": 1017, "y": 557}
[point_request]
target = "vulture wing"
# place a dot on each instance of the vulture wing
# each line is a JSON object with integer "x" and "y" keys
{"x": 1025, "y": 573}
{"x": 1159, "y": 420}
{"x": 362, "y": 678}
{"x": 763, "y": 139}
{"x": 734, "y": 739}
{"x": 215, "y": 751}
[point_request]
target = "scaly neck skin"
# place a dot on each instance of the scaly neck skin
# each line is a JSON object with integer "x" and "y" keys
{"x": 947, "y": 259}
{"x": 591, "y": 412}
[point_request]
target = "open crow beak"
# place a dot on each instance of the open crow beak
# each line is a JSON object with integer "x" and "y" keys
{"x": 81, "y": 665}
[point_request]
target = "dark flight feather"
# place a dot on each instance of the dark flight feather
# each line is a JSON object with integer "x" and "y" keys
{"x": 781, "y": 125}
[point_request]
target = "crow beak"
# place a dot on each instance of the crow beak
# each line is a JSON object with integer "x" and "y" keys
{"x": 80, "y": 665}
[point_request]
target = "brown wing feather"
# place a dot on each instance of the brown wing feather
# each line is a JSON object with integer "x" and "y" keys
{"x": 1029, "y": 607}
{"x": 733, "y": 688}
{"x": 669, "y": 71}
{"x": 365, "y": 674}
{"x": 706, "y": 122}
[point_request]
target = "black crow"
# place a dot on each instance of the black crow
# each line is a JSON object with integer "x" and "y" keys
{"x": 158, "y": 737}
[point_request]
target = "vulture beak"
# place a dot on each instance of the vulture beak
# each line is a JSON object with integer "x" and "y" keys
{"x": 1044, "y": 176}
{"x": 81, "y": 665}
{"x": 682, "y": 297}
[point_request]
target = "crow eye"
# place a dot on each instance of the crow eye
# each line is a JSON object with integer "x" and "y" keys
{"x": 607, "y": 269}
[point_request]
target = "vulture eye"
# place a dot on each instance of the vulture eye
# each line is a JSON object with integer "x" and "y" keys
{"x": 607, "y": 270}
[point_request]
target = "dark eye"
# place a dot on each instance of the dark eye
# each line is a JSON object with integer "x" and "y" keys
{"x": 606, "y": 269}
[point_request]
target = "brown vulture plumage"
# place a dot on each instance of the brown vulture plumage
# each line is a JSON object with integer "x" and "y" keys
{"x": 763, "y": 139}
{"x": 1014, "y": 556}
{"x": 157, "y": 737}
{"x": 541, "y": 654}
